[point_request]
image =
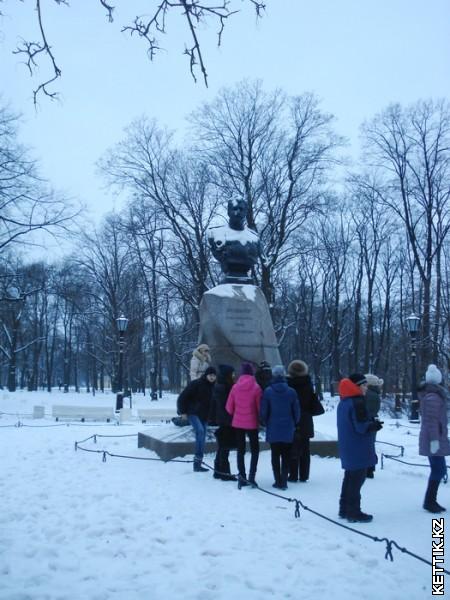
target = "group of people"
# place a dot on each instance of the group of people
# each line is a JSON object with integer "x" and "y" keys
{"x": 285, "y": 404}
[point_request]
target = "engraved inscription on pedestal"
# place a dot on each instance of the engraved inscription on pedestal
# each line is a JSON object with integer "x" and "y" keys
{"x": 240, "y": 321}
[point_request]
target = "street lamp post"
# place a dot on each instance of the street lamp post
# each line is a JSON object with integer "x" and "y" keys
{"x": 122, "y": 324}
{"x": 412, "y": 323}
{"x": 153, "y": 384}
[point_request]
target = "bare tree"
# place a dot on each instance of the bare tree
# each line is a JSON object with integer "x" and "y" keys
{"x": 444, "y": 337}
{"x": 26, "y": 203}
{"x": 335, "y": 237}
{"x": 105, "y": 261}
{"x": 176, "y": 188}
{"x": 373, "y": 226}
{"x": 412, "y": 147}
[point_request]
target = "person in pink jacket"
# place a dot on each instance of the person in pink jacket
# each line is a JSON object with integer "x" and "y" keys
{"x": 243, "y": 405}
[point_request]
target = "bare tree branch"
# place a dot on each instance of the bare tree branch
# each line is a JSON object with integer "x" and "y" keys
{"x": 32, "y": 50}
{"x": 194, "y": 12}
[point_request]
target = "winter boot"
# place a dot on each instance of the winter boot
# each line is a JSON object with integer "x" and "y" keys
{"x": 305, "y": 462}
{"x": 198, "y": 466}
{"x": 217, "y": 470}
{"x": 284, "y": 476}
{"x": 276, "y": 473}
{"x": 251, "y": 477}
{"x": 293, "y": 470}
{"x": 360, "y": 518}
{"x": 242, "y": 481}
{"x": 430, "y": 504}
{"x": 226, "y": 469}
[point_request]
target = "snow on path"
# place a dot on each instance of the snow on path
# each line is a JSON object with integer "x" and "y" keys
{"x": 73, "y": 527}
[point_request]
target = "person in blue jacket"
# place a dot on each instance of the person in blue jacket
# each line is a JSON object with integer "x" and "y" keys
{"x": 356, "y": 440}
{"x": 280, "y": 413}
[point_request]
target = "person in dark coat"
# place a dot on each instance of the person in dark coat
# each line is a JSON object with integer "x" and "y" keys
{"x": 433, "y": 437}
{"x": 356, "y": 440}
{"x": 194, "y": 401}
{"x": 263, "y": 374}
{"x": 373, "y": 402}
{"x": 300, "y": 381}
{"x": 280, "y": 412}
{"x": 225, "y": 434}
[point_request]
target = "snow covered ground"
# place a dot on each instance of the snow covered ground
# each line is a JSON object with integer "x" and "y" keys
{"x": 73, "y": 527}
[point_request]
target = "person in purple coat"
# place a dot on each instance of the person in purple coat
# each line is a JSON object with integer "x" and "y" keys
{"x": 433, "y": 438}
{"x": 280, "y": 412}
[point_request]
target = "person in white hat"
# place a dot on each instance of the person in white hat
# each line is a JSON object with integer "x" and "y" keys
{"x": 433, "y": 437}
{"x": 372, "y": 400}
{"x": 200, "y": 361}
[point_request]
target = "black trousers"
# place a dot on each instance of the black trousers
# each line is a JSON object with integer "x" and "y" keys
{"x": 221, "y": 463}
{"x": 254, "y": 451}
{"x": 300, "y": 459}
{"x": 226, "y": 441}
{"x": 281, "y": 456}
{"x": 350, "y": 501}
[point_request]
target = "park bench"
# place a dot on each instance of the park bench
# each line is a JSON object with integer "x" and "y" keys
{"x": 82, "y": 413}
{"x": 152, "y": 414}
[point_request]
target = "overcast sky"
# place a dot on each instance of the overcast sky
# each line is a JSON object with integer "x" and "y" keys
{"x": 356, "y": 55}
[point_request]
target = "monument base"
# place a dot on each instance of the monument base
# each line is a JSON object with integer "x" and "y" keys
{"x": 169, "y": 442}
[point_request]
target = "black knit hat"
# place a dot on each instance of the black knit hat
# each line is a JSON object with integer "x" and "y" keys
{"x": 358, "y": 378}
{"x": 264, "y": 366}
{"x": 210, "y": 371}
{"x": 225, "y": 370}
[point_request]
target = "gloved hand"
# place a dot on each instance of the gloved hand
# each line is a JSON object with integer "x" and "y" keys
{"x": 375, "y": 425}
{"x": 434, "y": 446}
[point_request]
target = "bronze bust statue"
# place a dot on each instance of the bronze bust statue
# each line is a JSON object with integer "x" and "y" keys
{"x": 235, "y": 246}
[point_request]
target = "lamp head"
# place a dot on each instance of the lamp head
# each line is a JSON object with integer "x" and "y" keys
{"x": 413, "y": 322}
{"x": 122, "y": 323}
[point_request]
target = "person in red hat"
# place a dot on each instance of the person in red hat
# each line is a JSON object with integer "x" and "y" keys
{"x": 356, "y": 440}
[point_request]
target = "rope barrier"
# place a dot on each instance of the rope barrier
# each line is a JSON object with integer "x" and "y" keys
{"x": 397, "y": 424}
{"x": 15, "y": 414}
{"x": 298, "y": 503}
{"x": 69, "y": 424}
{"x": 402, "y": 448}
{"x": 404, "y": 462}
{"x": 74, "y": 423}
{"x": 106, "y": 453}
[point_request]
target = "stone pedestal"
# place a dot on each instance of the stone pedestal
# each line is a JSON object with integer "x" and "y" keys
{"x": 236, "y": 324}
{"x": 169, "y": 441}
